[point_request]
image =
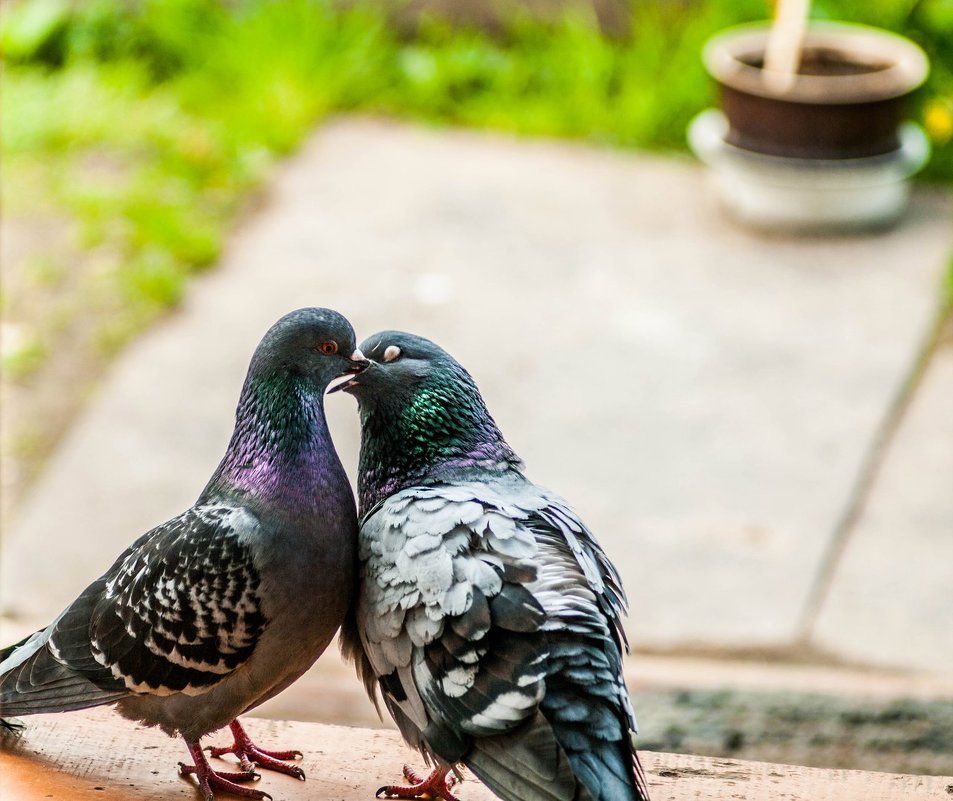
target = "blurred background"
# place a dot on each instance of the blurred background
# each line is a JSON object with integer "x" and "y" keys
{"x": 757, "y": 424}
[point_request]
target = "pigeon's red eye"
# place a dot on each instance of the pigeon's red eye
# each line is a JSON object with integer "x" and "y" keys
{"x": 327, "y": 348}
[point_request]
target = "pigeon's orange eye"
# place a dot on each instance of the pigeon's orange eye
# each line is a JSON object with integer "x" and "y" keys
{"x": 327, "y": 348}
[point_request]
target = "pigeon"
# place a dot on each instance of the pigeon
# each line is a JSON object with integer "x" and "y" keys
{"x": 217, "y": 610}
{"x": 488, "y": 617}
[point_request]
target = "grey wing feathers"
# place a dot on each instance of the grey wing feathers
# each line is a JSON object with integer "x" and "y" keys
{"x": 586, "y": 699}
{"x": 32, "y": 680}
{"x": 600, "y": 574}
{"x": 176, "y": 612}
{"x": 478, "y": 604}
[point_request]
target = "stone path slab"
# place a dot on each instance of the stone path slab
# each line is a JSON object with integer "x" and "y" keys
{"x": 703, "y": 395}
{"x": 894, "y": 584}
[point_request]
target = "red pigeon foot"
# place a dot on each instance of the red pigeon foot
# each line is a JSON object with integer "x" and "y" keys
{"x": 436, "y": 785}
{"x": 250, "y": 755}
{"x": 209, "y": 780}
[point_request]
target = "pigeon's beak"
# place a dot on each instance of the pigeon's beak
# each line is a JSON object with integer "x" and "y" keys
{"x": 357, "y": 363}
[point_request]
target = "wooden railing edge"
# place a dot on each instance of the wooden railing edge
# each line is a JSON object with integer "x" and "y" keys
{"x": 98, "y": 756}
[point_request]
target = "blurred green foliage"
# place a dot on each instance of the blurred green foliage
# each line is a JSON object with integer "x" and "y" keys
{"x": 150, "y": 120}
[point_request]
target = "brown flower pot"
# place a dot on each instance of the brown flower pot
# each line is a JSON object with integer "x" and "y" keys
{"x": 846, "y": 101}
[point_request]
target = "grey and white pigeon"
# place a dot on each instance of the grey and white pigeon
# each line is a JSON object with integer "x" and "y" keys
{"x": 488, "y": 617}
{"x": 214, "y": 612}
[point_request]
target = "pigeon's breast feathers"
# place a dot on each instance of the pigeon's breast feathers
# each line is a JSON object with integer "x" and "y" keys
{"x": 464, "y": 588}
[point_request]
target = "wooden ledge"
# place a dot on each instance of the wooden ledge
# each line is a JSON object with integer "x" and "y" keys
{"x": 98, "y": 756}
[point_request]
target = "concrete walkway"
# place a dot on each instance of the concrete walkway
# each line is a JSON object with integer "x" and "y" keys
{"x": 708, "y": 399}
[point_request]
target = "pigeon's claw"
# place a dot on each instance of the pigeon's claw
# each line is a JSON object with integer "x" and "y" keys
{"x": 210, "y": 781}
{"x": 218, "y": 753}
{"x": 11, "y": 726}
{"x": 435, "y": 786}
{"x": 273, "y": 760}
{"x": 251, "y": 756}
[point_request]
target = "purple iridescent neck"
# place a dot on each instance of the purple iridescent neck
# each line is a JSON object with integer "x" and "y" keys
{"x": 281, "y": 450}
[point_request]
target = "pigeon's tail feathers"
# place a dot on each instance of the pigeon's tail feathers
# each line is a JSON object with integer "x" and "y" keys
{"x": 13, "y": 656}
{"x": 641, "y": 785}
{"x": 594, "y": 732}
{"x": 33, "y": 681}
{"x": 14, "y": 727}
{"x": 526, "y": 764}
{"x": 6, "y": 652}
{"x": 611, "y": 770}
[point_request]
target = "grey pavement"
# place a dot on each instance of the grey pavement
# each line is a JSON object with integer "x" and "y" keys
{"x": 893, "y": 586}
{"x": 705, "y": 396}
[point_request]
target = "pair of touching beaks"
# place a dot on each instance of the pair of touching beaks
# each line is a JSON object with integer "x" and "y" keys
{"x": 361, "y": 363}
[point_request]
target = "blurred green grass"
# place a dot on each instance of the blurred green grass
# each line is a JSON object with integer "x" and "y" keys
{"x": 149, "y": 122}
{"x": 135, "y": 131}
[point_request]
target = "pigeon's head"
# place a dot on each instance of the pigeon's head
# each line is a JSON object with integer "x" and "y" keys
{"x": 315, "y": 344}
{"x": 422, "y": 416}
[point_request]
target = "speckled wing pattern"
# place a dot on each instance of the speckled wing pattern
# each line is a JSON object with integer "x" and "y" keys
{"x": 491, "y": 618}
{"x": 177, "y": 612}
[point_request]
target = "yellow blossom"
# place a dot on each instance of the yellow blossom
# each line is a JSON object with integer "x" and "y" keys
{"x": 938, "y": 119}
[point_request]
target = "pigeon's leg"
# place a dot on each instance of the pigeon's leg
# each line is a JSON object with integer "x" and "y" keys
{"x": 210, "y": 781}
{"x": 436, "y": 785}
{"x": 250, "y": 755}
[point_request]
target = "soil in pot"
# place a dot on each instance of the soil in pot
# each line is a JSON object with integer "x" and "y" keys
{"x": 847, "y": 101}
